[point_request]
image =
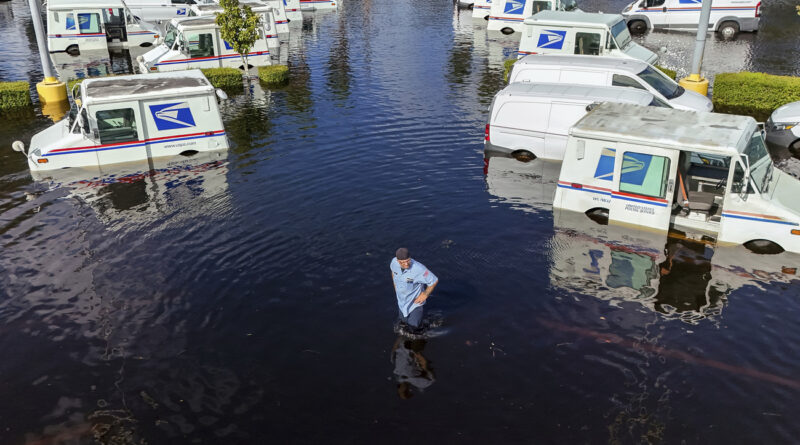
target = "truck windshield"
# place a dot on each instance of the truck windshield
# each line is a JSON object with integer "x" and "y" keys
{"x": 663, "y": 84}
{"x": 760, "y": 162}
{"x": 621, "y": 34}
{"x": 172, "y": 33}
{"x": 569, "y": 5}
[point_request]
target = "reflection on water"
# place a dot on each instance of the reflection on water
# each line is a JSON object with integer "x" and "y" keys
{"x": 412, "y": 371}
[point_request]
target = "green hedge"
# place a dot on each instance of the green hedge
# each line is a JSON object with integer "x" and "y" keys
{"x": 672, "y": 74}
{"x": 507, "y": 67}
{"x": 273, "y": 74}
{"x": 14, "y": 95}
{"x": 225, "y": 78}
{"x": 753, "y": 94}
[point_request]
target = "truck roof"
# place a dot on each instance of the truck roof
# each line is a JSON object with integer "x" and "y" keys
{"x": 139, "y": 86}
{"x": 195, "y": 22}
{"x": 72, "y": 4}
{"x": 570, "y": 60}
{"x": 573, "y": 18}
{"x": 712, "y": 133}
{"x": 589, "y": 93}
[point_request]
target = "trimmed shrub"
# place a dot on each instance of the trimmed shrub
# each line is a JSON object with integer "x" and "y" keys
{"x": 507, "y": 67}
{"x": 273, "y": 74}
{"x": 671, "y": 74}
{"x": 225, "y": 78}
{"x": 753, "y": 94}
{"x": 15, "y": 95}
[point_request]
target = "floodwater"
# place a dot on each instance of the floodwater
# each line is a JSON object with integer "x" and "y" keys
{"x": 245, "y": 297}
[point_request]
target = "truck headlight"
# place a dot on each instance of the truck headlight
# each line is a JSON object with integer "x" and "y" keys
{"x": 780, "y": 126}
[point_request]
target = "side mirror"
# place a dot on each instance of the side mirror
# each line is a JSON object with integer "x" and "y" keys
{"x": 95, "y": 135}
{"x": 221, "y": 94}
{"x": 18, "y": 146}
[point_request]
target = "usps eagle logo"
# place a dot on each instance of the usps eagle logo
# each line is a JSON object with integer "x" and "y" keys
{"x": 182, "y": 11}
{"x": 172, "y": 116}
{"x": 514, "y": 7}
{"x": 551, "y": 39}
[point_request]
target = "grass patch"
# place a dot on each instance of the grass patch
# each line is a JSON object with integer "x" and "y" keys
{"x": 507, "y": 67}
{"x": 228, "y": 79}
{"x": 671, "y": 74}
{"x": 14, "y": 95}
{"x": 753, "y": 94}
{"x": 273, "y": 74}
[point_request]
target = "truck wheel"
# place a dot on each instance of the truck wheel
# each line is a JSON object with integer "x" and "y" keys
{"x": 728, "y": 30}
{"x": 637, "y": 27}
{"x": 764, "y": 247}
{"x": 598, "y": 215}
{"x": 794, "y": 148}
{"x": 73, "y": 50}
{"x": 146, "y": 44}
{"x": 523, "y": 155}
{"x": 486, "y": 17}
{"x": 507, "y": 31}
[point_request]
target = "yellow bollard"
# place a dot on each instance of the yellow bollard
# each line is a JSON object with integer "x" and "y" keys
{"x": 696, "y": 83}
{"x": 55, "y": 110}
{"x": 51, "y": 90}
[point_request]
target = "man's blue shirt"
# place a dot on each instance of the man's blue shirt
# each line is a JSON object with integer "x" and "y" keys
{"x": 409, "y": 283}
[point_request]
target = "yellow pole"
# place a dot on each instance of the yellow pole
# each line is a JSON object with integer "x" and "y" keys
{"x": 695, "y": 81}
{"x": 51, "y": 90}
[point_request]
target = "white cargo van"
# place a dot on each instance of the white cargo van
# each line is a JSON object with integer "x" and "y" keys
{"x": 132, "y": 118}
{"x": 559, "y": 32}
{"x": 607, "y": 71}
{"x": 266, "y": 14}
{"x": 506, "y": 16}
{"x": 533, "y": 120}
{"x": 84, "y": 25}
{"x": 195, "y": 42}
{"x": 728, "y": 17}
{"x": 707, "y": 175}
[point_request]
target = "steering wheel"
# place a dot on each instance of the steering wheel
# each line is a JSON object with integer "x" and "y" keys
{"x": 720, "y": 183}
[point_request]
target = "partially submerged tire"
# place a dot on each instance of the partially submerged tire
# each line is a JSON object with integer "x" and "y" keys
{"x": 73, "y": 50}
{"x": 598, "y": 215}
{"x": 523, "y": 155}
{"x": 637, "y": 27}
{"x": 794, "y": 148}
{"x": 728, "y": 30}
{"x": 764, "y": 247}
{"x": 146, "y": 44}
{"x": 507, "y": 31}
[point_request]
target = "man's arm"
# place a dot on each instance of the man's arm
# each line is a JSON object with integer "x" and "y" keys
{"x": 426, "y": 293}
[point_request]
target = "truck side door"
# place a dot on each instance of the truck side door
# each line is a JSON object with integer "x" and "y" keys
{"x": 644, "y": 186}
{"x": 202, "y": 49}
{"x": 120, "y": 133}
{"x": 90, "y": 30}
{"x": 656, "y": 11}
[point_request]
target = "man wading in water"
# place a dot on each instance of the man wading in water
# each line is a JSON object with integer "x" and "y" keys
{"x": 413, "y": 284}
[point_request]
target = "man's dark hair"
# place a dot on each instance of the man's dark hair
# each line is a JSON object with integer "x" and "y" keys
{"x": 402, "y": 254}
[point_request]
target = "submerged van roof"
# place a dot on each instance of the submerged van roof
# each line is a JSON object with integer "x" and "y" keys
{"x": 590, "y": 93}
{"x": 198, "y": 21}
{"x": 139, "y": 86}
{"x": 670, "y": 128}
{"x": 573, "y": 18}
{"x": 570, "y": 60}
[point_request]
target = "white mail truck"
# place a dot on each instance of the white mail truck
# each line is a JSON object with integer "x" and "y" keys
{"x": 195, "y": 42}
{"x": 559, "y": 32}
{"x": 507, "y": 16}
{"x": 728, "y": 17}
{"x": 84, "y": 25}
{"x": 707, "y": 175}
{"x": 267, "y": 15}
{"x": 319, "y": 5}
{"x": 131, "y": 118}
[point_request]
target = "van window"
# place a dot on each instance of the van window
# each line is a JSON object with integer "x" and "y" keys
{"x": 656, "y": 102}
{"x": 661, "y": 83}
{"x": 587, "y": 43}
{"x": 541, "y": 6}
{"x": 89, "y": 23}
{"x": 200, "y": 45}
{"x": 653, "y": 3}
{"x": 619, "y": 80}
{"x": 113, "y": 17}
{"x": 644, "y": 174}
{"x": 172, "y": 34}
{"x": 116, "y": 125}
{"x": 621, "y": 33}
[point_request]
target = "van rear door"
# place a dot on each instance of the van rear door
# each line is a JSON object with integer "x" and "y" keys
{"x": 644, "y": 186}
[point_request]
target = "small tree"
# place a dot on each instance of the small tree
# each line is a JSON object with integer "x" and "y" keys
{"x": 238, "y": 25}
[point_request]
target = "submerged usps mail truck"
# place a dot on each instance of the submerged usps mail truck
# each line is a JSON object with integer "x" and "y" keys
{"x": 132, "y": 118}
{"x": 560, "y": 32}
{"x": 532, "y": 120}
{"x": 507, "y": 16}
{"x": 728, "y": 17}
{"x": 195, "y": 42}
{"x": 319, "y": 5}
{"x": 267, "y": 15}
{"x": 84, "y": 25}
{"x": 707, "y": 175}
